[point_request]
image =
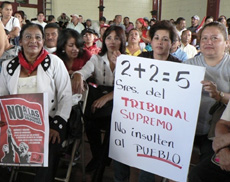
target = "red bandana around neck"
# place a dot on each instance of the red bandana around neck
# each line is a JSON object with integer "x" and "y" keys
{"x": 32, "y": 67}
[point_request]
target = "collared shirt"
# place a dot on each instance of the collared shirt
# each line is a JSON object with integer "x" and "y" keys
{"x": 43, "y": 24}
{"x": 189, "y": 49}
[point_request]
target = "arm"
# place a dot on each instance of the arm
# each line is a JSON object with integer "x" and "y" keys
{"x": 14, "y": 32}
{"x": 99, "y": 103}
{"x": 221, "y": 144}
{"x": 2, "y": 39}
{"x": 214, "y": 93}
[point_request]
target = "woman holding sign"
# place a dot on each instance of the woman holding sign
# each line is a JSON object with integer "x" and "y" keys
{"x": 36, "y": 71}
{"x": 213, "y": 42}
{"x": 102, "y": 66}
{"x": 163, "y": 35}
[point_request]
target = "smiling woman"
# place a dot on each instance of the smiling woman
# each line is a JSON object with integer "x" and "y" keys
{"x": 35, "y": 71}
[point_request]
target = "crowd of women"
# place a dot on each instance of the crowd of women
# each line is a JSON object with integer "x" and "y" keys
{"x": 64, "y": 73}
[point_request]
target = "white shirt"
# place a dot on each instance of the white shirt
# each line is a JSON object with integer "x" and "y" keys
{"x": 43, "y": 24}
{"x": 79, "y": 27}
{"x": 13, "y": 22}
{"x": 96, "y": 65}
{"x": 189, "y": 49}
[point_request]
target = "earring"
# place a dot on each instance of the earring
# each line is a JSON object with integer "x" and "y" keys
{"x": 63, "y": 51}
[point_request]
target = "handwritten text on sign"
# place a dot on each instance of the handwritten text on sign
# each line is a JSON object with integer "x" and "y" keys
{"x": 156, "y": 105}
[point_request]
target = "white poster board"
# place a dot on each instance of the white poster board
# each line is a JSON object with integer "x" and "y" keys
{"x": 156, "y": 105}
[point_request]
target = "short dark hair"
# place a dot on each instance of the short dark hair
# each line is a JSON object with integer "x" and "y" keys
{"x": 4, "y": 3}
{"x": 120, "y": 33}
{"x": 163, "y": 25}
{"x": 64, "y": 36}
{"x": 179, "y": 20}
{"x": 29, "y": 25}
{"x": 52, "y": 25}
{"x": 21, "y": 13}
{"x": 102, "y": 18}
{"x": 40, "y": 12}
{"x": 50, "y": 18}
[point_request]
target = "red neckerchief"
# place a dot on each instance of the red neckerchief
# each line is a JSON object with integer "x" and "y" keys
{"x": 32, "y": 67}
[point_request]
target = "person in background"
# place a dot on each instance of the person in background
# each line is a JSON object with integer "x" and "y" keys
{"x": 10, "y": 23}
{"x": 186, "y": 38}
{"x": 147, "y": 22}
{"x": 40, "y": 19}
{"x": 11, "y": 50}
{"x": 127, "y": 24}
{"x": 133, "y": 48}
{"x": 222, "y": 20}
{"x": 51, "y": 19}
{"x": 102, "y": 31}
{"x": 81, "y": 19}
{"x": 20, "y": 15}
{"x": 89, "y": 41}
{"x": 70, "y": 48}
{"x": 32, "y": 73}
{"x": 180, "y": 25}
{"x": 152, "y": 21}
{"x": 118, "y": 20}
{"x": 142, "y": 27}
{"x": 75, "y": 24}
{"x": 51, "y": 31}
{"x": 177, "y": 52}
{"x": 209, "y": 19}
{"x": 96, "y": 26}
{"x": 63, "y": 20}
{"x": 88, "y": 23}
{"x": 194, "y": 28}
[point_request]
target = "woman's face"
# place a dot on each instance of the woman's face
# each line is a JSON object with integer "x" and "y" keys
{"x": 7, "y": 10}
{"x": 32, "y": 41}
{"x": 161, "y": 42}
{"x": 18, "y": 16}
{"x": 112, "y": 42}
{"x": 209, "y": 21}
{"x": 138, "y": 25}
{"x": 134, "y": 37}
{"x": 212, "y": 43}
{"x": 71, "y": 48}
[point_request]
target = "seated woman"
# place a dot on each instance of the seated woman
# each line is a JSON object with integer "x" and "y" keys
{"x": 133, "y": 48}
{"x": 213, "y": 42}
{"x": 70, "y": 49}
{"x": 31, "y": 69}
{"x": 163, "y": 35}
{"x": 142, "y": 27}
{"x": 103, "y": 68}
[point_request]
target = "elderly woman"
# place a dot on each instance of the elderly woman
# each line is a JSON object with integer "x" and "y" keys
{"x": 213, "y": 42}
{"x": 103, "y": 68}
{"x": 70, "y": 49}
{"x": 32, "y": 73}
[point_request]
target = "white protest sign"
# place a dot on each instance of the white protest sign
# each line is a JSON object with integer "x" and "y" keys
{"x": 156, "y": 104}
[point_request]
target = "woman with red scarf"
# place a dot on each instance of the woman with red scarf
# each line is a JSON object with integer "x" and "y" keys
{"x": 36, "y": 71}
{"x": 142, "y": 27}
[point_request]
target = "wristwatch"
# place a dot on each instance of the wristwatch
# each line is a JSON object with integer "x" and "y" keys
{"x": 221, "y": 94}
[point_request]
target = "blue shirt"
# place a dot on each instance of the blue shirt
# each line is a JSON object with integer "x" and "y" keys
{"x": 181, "y": 55}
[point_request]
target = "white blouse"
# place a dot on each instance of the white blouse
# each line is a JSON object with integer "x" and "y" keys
{"x": 100, "y": 67}
{"x": 27, "y": 85}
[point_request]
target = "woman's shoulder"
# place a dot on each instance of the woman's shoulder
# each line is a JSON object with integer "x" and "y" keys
{"x": 197, "y": 60}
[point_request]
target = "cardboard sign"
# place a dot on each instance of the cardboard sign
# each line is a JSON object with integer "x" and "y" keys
{"x": 24, "y": 138}
{"x": 156, "y": 105}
